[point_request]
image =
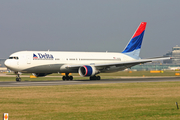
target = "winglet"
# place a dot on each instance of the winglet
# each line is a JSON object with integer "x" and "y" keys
{"x": 134, "y": 46}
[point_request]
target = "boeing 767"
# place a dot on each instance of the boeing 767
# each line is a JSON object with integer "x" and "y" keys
{"x": 87, "y": 64}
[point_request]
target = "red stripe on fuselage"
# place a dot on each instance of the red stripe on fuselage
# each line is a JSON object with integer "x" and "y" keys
{"x": 140, "y": 29}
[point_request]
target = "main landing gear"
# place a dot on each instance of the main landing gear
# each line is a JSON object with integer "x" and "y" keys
{"x": 18, "y": 79}
{"x": 95, "y": 78}
{"x": 67, "y": 77}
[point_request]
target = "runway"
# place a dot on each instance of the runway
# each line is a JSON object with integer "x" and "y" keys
{"x": 86, "y": 82}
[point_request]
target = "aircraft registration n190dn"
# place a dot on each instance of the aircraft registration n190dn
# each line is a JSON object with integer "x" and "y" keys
{"x": 87, "y": 64}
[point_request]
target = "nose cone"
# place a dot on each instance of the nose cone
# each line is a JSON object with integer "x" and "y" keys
{"x": 12, "y": 64}
{"x": 7, "y": 63}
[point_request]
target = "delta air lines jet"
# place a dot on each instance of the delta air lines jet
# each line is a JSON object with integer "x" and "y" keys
{"x": 87, "y": 64}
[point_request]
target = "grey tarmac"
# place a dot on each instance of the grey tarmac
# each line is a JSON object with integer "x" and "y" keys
{"x": 86, "y": 82}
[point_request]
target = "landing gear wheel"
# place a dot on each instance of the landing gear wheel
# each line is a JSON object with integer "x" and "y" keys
{"x": 91, "y": 78}
{"x": 64, "y": 77}
{"x": 71, "y": 77}
{"x": 67, "y": 77}
{"x": 95, "y": 78}
{"x": 98, "y": 77}
{"x": 18, "y": 79}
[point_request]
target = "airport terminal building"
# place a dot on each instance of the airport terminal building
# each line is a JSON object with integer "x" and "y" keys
{"x": 2, "y": 62}
{"x": 166, "y": 64}
{"x": 2, "y": 66}
{"x": 175, "y": 54}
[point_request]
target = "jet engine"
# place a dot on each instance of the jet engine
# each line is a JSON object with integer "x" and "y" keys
{"x": 40, "y": 74}
{"x": 87, "y": 71}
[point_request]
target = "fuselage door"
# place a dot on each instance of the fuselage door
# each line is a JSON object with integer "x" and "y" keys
{"x": 28, "y": 59}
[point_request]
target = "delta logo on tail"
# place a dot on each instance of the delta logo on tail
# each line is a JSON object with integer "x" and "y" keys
{"x": 40, "y": 56}
{"x": 134, "y": 45}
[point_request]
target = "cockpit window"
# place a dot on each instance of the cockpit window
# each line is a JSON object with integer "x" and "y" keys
{"x": 14, "y": 58}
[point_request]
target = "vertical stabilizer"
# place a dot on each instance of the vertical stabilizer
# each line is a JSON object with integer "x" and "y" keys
{"x": 134, "y": 46}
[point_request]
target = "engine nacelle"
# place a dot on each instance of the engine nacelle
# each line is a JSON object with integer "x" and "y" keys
{"x": 87, "y": 70}
{"x": 40, "y": 74}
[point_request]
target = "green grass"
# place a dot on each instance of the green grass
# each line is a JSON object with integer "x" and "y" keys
{"x": 154, "y": 100}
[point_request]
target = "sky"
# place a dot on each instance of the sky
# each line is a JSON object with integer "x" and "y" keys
{"x": 88, "y": 25}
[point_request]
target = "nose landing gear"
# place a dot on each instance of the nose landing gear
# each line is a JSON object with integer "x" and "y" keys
{"x": 18, "y": 79}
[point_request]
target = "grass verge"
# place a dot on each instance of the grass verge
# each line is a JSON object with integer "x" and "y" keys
{"x": 155, "y": 100}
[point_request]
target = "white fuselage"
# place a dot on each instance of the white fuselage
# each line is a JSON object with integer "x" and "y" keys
{"x": 55, "y": 61}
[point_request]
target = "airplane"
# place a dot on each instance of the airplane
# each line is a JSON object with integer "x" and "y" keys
{"x": 87, "y": 64}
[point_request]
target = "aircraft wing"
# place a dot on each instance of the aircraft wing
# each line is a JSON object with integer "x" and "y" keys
{"x": 133, "y": 62}
{"x": 123, "y": 63}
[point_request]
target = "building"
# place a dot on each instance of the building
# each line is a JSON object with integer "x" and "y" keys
{"x": 2, "y": 66}
{"x": 175, "y": 54}
{"x": 170, "y": 64}
{"x": 2, "y": 62}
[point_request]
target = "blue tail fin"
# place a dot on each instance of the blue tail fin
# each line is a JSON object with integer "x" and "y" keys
{"x": 134, "y": 46}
